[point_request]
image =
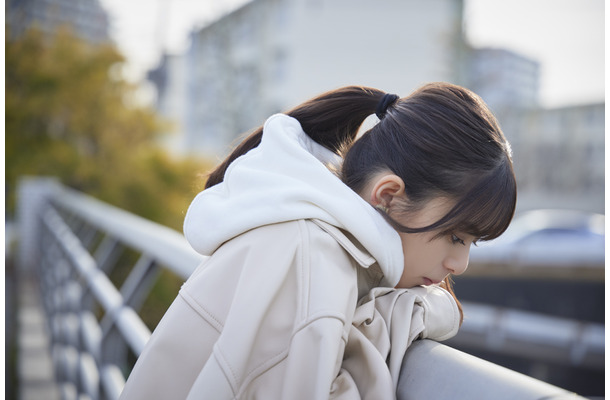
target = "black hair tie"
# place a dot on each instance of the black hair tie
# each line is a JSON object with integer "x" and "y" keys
{"x": 386, "y": 101}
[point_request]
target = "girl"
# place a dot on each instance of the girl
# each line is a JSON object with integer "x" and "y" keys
{"x": 309, "y": 229}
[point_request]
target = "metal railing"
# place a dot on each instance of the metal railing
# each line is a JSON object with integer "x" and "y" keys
{"x": 94, "y": 326}
{"x": 530, "y": 335}
{"x": 72, "y": 242}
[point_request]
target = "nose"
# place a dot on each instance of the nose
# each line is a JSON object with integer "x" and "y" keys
{"x": 457, "y": 263}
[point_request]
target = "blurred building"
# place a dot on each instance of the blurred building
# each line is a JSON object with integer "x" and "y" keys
{"x": 87, "y": 18}
{"x": 270, "y": 55}
{"x": 558, "y": 155}
{"x": 170, "y": 80}
{"x": 504, "y": 79}
{"x": 559, "y": 152}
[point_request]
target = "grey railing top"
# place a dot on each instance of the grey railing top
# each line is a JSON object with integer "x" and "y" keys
{"x": 167, "y": 246}
{"x": 431, "y": 370}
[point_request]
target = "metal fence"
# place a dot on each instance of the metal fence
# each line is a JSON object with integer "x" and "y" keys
{"x": 72, "y": 242}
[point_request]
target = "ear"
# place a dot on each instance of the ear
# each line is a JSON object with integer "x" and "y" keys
{"x": 385, "y": 189}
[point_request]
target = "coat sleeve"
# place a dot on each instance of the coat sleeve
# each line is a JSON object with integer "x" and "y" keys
{"x": 387, "y": 321}
{"x": 285, "y": 318}
{"x": 314, "y": 360}
{"x": 417, "y": 313}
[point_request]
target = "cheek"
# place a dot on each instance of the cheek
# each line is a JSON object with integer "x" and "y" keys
{"x": 420, "y": 252}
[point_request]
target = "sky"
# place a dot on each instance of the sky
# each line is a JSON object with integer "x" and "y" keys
{"x": 565, "y": 36}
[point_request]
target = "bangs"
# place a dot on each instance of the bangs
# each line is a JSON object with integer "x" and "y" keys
{"x": 486, "y": 210}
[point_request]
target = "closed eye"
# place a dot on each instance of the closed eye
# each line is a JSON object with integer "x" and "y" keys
{"x": 455, "y": 240}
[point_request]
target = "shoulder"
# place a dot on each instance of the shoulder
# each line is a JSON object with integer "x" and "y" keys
{"x": 283, "y": 238}
{"x": 347, "y": 242}
{"x": 320, "y": 251}
{"x": 296, "y": 260}
{"x": 309, "y": 232}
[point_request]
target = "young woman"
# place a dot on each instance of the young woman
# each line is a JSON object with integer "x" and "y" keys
{"x": 309, "y": 230}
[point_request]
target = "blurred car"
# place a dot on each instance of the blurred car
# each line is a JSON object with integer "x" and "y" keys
{"x": 553, "y": 237}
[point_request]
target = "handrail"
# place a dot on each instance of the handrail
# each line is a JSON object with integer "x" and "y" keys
{"x": 130, "y": 325}
{"x": 431, "y": 370}
{"x": 94, "y": 325}
{"x": 532, "y": 335}
{"x": 163, "y": 244}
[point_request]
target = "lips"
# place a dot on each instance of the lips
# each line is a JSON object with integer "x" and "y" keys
{"x": 428, "y": 282}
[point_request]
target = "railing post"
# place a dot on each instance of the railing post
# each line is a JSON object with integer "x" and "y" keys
{"x": 35, "y": 369}
{"x": 32, "y": 194}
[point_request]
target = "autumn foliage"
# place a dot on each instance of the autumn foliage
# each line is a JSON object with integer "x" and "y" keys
{"x": 71, "y": 115}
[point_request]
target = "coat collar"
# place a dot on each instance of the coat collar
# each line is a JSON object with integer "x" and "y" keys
{"x": 350, "y": 244}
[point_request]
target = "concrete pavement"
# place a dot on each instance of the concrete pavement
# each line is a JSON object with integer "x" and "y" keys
{"x": 35, "y": 373}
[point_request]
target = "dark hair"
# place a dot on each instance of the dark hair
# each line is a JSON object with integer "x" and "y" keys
{"x": 332, "y": 119}
{"x": 442, "y": 140}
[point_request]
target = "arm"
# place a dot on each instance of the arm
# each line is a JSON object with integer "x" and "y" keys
{"x": 314, "y": 360}
{"x": 284, "y": 319}
{"x": 391, "y": 319}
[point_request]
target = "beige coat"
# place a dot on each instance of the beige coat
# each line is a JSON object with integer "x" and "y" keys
{"x": 267, "y": 317}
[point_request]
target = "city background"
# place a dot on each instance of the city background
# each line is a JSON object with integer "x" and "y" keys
{"x": 132, "y": 102}
{"x": 225, "y": 77}
{"x": 268, "y": 51}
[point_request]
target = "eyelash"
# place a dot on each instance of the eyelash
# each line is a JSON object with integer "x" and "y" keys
{"x": 455, "y": 240}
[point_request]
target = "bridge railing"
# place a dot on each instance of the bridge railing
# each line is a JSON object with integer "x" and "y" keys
{"x": 72, "y": 242}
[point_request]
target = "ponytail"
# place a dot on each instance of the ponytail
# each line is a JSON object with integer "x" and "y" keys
{"x": 331, "y": 119}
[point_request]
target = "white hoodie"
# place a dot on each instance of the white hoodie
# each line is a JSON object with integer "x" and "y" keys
{"x": 285, "y": 178}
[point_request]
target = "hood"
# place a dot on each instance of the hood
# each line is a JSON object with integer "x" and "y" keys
{"x": 285, "y": 178}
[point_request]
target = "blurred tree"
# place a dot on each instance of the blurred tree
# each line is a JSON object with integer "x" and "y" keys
{"x": 69, "y": 114}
